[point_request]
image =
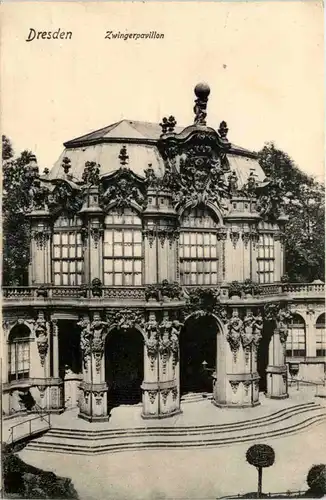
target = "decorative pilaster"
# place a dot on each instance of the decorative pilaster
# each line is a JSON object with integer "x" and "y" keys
{"x": 40, "y": 247}
{"x": 161, "y": 377}
{"x": 236, "y": 371}
{"x": 93, "y": 405}
{"x": 277, "y": 386}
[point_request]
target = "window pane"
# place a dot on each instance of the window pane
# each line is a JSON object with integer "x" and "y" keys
{"x": 117, "y": 250}
{"x": 118, "y": 236}
{"x": 118, "y": 279}
{"x": 118, "y": 266}
{"x": 108, "y": 265}
{"x": 128, "y": 266}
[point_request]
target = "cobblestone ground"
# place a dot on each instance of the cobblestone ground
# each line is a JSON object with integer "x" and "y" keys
{"x": 187, "y": 474}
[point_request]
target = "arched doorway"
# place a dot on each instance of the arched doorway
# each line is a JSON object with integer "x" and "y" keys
{"x": 198, "y": 355}
{"x": 124, "y": 367}
{"x": 70, "y": 357}
{"x": 263, "y": 352}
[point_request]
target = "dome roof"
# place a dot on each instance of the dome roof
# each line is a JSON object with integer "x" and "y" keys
{"x": 103, "y": 147}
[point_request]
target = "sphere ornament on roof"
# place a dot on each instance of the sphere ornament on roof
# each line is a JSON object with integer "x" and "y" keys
{"x": 202, "y": 92}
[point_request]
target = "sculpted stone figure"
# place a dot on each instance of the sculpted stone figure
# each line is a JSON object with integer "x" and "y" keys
{"x": 235, "y": 328}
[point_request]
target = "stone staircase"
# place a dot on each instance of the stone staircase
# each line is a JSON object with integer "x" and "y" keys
{"x": 98, "y": 441}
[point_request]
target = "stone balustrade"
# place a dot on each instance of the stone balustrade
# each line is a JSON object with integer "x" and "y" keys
{"x": 18, "y": 294}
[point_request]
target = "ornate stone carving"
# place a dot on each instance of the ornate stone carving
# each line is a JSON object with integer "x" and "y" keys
{"x": 125, "y": 318}
{"x": 168, "y": 125}
{"x": 85, "y": 340}
{"x": 97, "y": 287}
{"x": 201, "y": 301}
{"x": 150, "y": 235}
{"x": 234, "y": 236}
{"x": 41, "y": 237}
{"x": 246, "y": 384}
{"x": 91, "y": 174}
{"x": 164, "y": 394}
{"x": 96, "y": 233}
{"x": 257, "y": 331}
{"x": 202, "y": 92}
{"x": 174, "y": 393}
{"x": 152, "y": 395}
{"x": 66, "y": 197}
{"x": 247, "y": 334}
{"x": 41, "y": 335}
{"x": 221, "y": 233}
{"x": 234, "y": 385}
{"x": 124, "y": 187}
{"x": 98, "y": 330}
{"x": 235, "y": 330}
{"x": 246, "y": 238}
{"x": 233, "y": 182}
{"x": 151, "y": 338}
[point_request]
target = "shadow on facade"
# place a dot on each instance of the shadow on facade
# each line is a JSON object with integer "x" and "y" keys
{"x": 197, "y": 346}
{"x": 124, "y": 367}
{"x": 263, "y": 353}
{"x": 70, "y": 357}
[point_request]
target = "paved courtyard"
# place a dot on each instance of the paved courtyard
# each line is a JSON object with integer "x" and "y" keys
{"x": 191, "y": 474}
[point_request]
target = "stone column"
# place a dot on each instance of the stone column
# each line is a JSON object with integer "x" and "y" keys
{"x": 93, "y": 216}
{"x": 161, "y": 368}
{"x": 93, "y": 398}
{"x": 236, "y": 378}
{"x": 277, "y": 386}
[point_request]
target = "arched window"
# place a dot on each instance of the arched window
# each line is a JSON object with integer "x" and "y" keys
{"x": 122, "y": 248}
{"x": 67, "y": 251}
{"x": 18, "y": 353}
{"x": 198, "y": 248}
{"x": 320, "y": 336}
{"x": 296, "y": 340}
{"x": 266, "y": 253}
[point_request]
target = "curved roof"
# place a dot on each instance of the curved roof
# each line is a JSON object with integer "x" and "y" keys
{"x": 103, "y": 147}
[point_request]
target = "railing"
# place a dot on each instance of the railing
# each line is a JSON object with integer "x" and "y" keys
{"x": 299, "y": 381}
{"x": 12, "y": 293}
{"x": 286, "y": 494}
{"x": 28, "y": 428}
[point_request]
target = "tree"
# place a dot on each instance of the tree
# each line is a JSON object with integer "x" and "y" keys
{"x": 303, "y": 202}
{"x": 260, "y": 456}
{"x": 16, "y": 201}
{"x": 316, "y": 480}
{"x": 7, "y": 150}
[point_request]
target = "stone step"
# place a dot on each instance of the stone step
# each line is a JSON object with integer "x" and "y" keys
{"x": 263, "y": 420}
{"x": 54, "y": 436}
{"x": 111, "y": 447}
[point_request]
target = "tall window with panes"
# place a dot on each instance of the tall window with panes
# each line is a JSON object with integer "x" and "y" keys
{"x": 67, "y": 254}
{"x": 296, "y": 340}
{"x": 122, "y": 250}
{"x": 266, "y": 253}
{"x": 320, "y": 336}
{"x": 19, "y": 353}
{"x": 198, "y": 248}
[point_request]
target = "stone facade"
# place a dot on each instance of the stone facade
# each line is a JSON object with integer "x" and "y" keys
{"x": 136, "y": 236}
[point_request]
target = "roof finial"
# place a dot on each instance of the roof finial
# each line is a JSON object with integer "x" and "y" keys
{"x": 202, "y": 92}
{"x": 123, "y": 156}
{"x": 223, "y": 130}
{"x": 66, "y": 165}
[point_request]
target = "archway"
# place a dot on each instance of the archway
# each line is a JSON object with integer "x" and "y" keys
{"x": 198, "y": 355}
{"x": 124, "y": 367}
{"x": 70, "y": 358}
{"x": 263, "y": 352}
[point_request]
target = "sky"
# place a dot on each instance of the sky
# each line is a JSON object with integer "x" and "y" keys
{"x": 262, "y": 60}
